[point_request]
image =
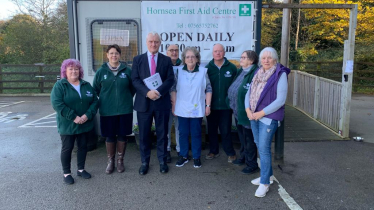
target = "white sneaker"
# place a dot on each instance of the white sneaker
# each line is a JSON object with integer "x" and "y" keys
{"x": 257, "y": 181}
{"x": 262, "y": 190}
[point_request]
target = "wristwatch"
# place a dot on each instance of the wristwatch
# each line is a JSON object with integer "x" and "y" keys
{"x": 208, "y": 105}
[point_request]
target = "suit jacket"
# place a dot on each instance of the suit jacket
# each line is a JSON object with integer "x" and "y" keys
{"x": 140, "y": 71}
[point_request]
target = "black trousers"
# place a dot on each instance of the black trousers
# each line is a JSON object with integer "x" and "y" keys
{"x": 248, "y": 149}
{"x": 221, "y": 119}
{"x": 145, "y": 120}
{"x": 67, "y": 148}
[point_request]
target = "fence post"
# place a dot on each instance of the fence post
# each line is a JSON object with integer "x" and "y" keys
{"x": 295, "y": 88}
{"x": 347, "y": 72}
{"x": 316, "y": 98}
{"x": 1, "y": 80}
{"x": 41, "y": 82}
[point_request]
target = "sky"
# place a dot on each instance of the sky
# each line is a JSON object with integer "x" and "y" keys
{"x": 7, "y": 9}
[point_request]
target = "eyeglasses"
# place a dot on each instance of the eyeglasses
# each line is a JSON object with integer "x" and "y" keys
{"x": 243, "y": 58}
{"x": 171, "y": 50}
{"x": 192, "y": 57}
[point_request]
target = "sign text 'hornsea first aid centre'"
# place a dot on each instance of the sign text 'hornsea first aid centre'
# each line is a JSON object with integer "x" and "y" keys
{"x": 201, "y": 24}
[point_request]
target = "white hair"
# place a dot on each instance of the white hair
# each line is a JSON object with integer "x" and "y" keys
{"x": 273, "y": 54}
{"x": 153, "y": 33}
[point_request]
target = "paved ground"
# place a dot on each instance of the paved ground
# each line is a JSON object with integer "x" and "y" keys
{"x": 313, "y": 175}
{"x": 362, "y": 117}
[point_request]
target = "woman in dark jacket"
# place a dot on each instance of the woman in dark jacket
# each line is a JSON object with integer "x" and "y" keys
{"x": 113, "y": 85}
{"x": 75, "y": 102}
{"x": 236, "y": 96}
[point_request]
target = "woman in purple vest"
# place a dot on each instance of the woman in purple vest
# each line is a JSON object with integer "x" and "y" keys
{"x": 264, "y": 105}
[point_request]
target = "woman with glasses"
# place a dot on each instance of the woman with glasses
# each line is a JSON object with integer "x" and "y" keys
{"x": 190, "y": 95}
{"x": 236, "y": 95}
{"x": 113, "y": 85}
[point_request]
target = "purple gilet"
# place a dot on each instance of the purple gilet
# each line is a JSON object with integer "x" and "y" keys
{"x": 269, "y": 94}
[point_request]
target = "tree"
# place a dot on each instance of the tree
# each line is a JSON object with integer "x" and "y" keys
{"x": 26, "y": 39}
{"x": 21, "y": 41}
{"x": 331, "y": 25}
{"x": 41, "y": 10}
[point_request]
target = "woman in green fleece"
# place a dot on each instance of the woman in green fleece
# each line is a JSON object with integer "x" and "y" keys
{"x": 113, "y": 85}
{"x": 75, "y": 102}
{"x": 236, "y": 95}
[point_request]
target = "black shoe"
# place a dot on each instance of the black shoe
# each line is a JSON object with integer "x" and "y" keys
{"x": 177, "y": 154}
{"x": 69, "y": 179}
{"x": 238, "y": 162}
{"x": 164, "y": 168}
{"x": 181, "y": 161}
{"x": 250, "y": 170}
{"x": 143, "y": 170}
{"x": 196, "y": 163}
{"x": 84, "y": 174}
{"x": 168, "y": 157}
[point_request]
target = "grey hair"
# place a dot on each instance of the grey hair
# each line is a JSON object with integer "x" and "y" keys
{"x": 223, "y": 47}
{"x": 273, "y": 54}
{"x": 195, "y": 52}
{"x": 154, "y": 33}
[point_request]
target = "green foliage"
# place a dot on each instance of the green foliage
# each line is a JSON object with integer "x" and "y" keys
{"x": 27, "y": 39}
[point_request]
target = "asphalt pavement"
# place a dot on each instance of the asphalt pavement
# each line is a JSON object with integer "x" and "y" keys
{"x": 313, "y": 175}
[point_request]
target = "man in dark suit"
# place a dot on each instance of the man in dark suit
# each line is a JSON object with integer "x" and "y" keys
{"x": 151, "y": 104}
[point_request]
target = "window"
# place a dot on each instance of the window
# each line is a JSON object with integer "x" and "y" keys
{"x": 125, "y": 33}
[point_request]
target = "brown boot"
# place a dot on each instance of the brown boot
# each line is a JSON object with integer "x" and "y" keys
{"x": 121, "y": 149}
{"x": 111, "y": 151}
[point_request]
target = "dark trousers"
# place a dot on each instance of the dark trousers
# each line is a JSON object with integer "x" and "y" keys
{"x": 67, "y": 148}
{"x": 186, "y": 127}
{"x": 221, "y": 119}
{"x": 145, "y": 120}
{"x": 248, "y": 149}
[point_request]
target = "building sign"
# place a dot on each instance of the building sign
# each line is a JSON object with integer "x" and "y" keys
{"x": 114, "y": 36}
{"x": 201, "y": 24}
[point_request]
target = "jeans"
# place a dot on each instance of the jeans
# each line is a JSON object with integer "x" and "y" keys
{"x": 175, "y": 119}
{"x": 186, "y": 127}
{"x": 248, "y": 149}
{"x": 263, "y": 135}
{"x": 68, "y": 146}
{"x": 221, "y": 119}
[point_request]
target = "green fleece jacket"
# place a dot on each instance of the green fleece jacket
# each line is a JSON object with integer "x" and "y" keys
{"x": 115, "y": 92}
{"x": 68, "y": 105}
{"x": 242, "y": 91}
{"x": 220, "y": 80}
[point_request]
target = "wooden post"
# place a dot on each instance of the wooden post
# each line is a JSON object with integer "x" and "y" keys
{"x": 41, "y": 82}
{"x": 295, "y": 87}
{"x": 1, "y": 80}
{"x": 346, "y": 94}
{"x": 285, "y": 44}
{"x": 316, "y": 98}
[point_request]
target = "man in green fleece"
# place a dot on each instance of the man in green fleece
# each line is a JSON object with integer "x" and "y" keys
{"x": 221, "y": 73}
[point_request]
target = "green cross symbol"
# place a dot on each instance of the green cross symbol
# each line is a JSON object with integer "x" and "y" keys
{"x": 244, "y": 10}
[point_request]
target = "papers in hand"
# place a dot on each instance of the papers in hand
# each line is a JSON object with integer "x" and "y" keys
{"x": 153, "y": 82}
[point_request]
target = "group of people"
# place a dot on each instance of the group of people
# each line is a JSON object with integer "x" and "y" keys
{"x": 254, "y": 94}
